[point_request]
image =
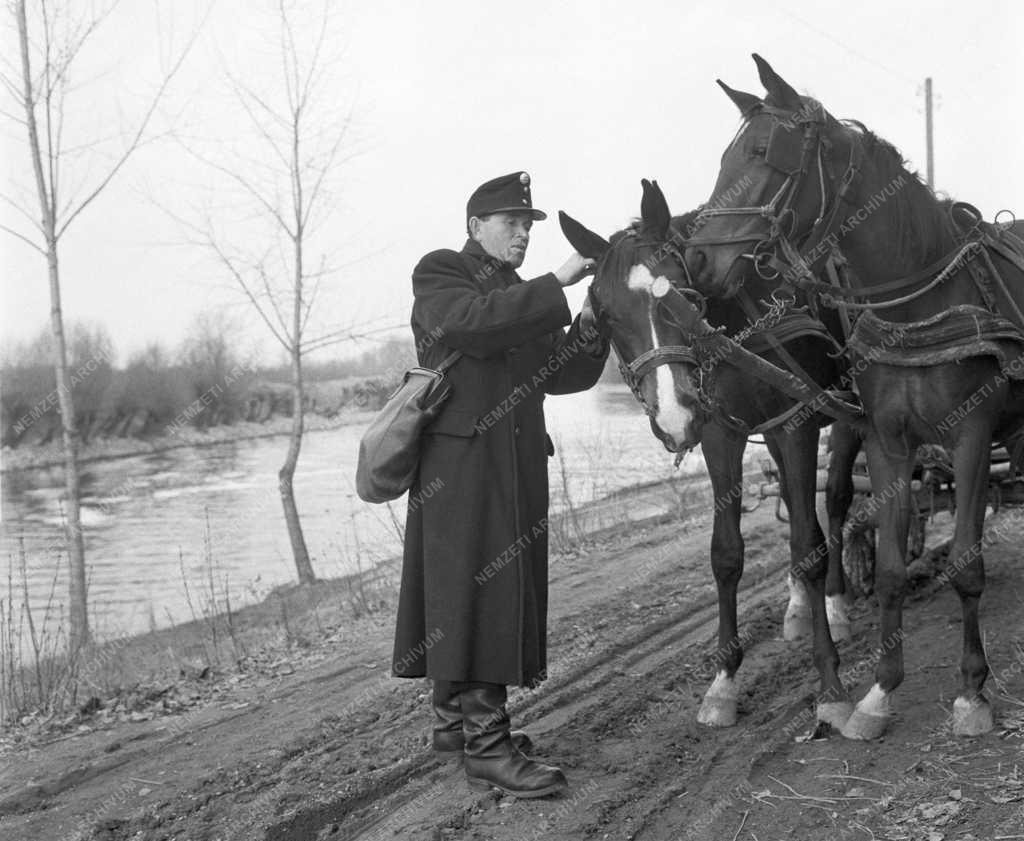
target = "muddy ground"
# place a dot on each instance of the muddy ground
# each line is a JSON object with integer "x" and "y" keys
{"x": 338, "y": 750}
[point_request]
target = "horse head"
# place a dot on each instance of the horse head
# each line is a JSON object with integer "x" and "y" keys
{"x": 776, "y": 182}
{"x": 654, "y": 355}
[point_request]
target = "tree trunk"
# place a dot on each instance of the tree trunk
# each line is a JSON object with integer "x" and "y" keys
{"x": 78, "y": 635}
{"x": 78, "y": 612}
{"x": 287, "y": 471}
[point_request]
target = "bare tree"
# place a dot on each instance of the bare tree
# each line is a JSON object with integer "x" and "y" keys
{"x": 50, "y": 43}
{"x": 282, "y": 164}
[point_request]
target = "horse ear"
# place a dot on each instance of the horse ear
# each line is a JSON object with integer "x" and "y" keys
{"x": 746, "y": 102}
{"x": 586, "y": 242}
{"x": 778, "y": 88}
{"x": 654, "y": 209}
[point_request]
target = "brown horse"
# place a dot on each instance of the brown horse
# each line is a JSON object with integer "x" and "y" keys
{"x": 945, "y": 364}
{"x": 721, "y": 404}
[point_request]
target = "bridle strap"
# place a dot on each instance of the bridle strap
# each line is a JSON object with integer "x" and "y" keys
{"x": 634, "y": 372}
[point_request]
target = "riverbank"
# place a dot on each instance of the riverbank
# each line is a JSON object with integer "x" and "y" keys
{"x": 103, "y": 449}
{"x": 173, "y": 669}
{"x": 338, "y": 749}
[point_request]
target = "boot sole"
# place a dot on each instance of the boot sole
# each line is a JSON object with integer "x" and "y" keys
{"x": 479, "y": 784}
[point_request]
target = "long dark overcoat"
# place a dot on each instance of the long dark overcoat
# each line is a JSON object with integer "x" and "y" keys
{"x": 474, "y": 593}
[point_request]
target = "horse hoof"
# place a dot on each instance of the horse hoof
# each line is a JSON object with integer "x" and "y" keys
{"x": 796, "y": 625}
{"x": 717, "y": 712}
{"x": 836, "y": 713}
{"x": 864, "y": 726}
{"x": 718, "y": 709}
{"x": 972, "y": 716}
{"x": 871, "y": 716}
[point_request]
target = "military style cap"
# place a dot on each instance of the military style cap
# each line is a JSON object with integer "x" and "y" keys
{"x": 503, "y": 195}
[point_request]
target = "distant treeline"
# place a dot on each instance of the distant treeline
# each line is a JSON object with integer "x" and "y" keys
{"x": 203, "y": 383}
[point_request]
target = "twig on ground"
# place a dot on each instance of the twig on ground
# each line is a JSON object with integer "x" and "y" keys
{"x": 851, "y": 777}
{"x": 740, "y": 828}
{"x": 797, "y": 794}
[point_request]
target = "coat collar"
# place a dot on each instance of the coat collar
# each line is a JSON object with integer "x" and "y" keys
{"x": 501, "y": 268}
{"x": 476, "y": 249}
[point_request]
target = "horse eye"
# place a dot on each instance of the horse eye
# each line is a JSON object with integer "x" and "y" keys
{"x": 759, "y": 151}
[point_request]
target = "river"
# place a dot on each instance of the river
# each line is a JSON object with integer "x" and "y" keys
{"x": 156, "y": 521}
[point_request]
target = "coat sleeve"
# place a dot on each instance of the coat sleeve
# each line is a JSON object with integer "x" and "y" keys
{"x": 450, "y": 303}
{"x": 576, "y": 360}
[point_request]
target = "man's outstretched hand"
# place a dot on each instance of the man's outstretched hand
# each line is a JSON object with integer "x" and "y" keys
{"x": 575, "y": 269}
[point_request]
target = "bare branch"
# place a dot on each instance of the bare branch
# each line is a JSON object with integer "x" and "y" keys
{"x": 230, "y": 266}
{"x": 32, "y": 220}
{"x": 273, "y": 301}
{"x": 144, "y": 124}
{"x": 346, "y": 335}
{"x": 327, "y": 166}
{"x": 23, "y": 238}
{"x": 244, "y": 94}
{"x": 245, "y": 184}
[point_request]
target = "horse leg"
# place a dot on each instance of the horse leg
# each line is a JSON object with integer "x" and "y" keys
{"x": 723, "y": 452}
{"x": 796, "y": 623}
{"x": 845, "y": 444}
{"x": 890, "y": 464}
{"x": 972, "y": 713}
{"x": 796, "y": 452}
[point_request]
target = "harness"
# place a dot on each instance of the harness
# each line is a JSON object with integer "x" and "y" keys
{"x": 795, "y": 143}
{"x": 685, "y": 308}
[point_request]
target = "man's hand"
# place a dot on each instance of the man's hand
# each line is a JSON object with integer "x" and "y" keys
{"x": 575, "y": 269}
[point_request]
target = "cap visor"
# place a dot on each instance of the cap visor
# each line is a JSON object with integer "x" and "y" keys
{"x": 538, "y": 215}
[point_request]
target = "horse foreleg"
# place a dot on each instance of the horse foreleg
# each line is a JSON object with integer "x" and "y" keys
{"x": 723, "y": 452}
{"x": 796, "y": 452}
{"x": 845, "y": 444}
{"x": 890, "y": 498}
{"x": 797, "y": 622}
{"x": 972, "y": 713}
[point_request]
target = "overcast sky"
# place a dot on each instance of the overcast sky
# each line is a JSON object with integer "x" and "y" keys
{"x": 588, "y": 97}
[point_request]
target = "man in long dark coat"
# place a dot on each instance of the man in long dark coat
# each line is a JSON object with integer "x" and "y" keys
{"x": 472, "y": 612}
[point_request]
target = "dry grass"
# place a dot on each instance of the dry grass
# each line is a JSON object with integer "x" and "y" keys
{"x": 43, "y": 687}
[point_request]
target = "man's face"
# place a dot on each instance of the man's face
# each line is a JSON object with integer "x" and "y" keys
{"x": 503, "y": 235}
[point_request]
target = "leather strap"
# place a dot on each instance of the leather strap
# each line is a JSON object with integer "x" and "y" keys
{"x": 448, "y": 361}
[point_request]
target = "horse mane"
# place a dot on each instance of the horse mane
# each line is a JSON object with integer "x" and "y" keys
{"x": 923, "y": 228}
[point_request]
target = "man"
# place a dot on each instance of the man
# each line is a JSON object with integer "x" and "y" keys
{"x": 472, "y": 612}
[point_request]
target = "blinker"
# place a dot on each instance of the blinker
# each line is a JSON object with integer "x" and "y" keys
{"x": 785, "y": 148}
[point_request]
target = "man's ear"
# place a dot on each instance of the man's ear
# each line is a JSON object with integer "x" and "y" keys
{"x": 473, "y": 227}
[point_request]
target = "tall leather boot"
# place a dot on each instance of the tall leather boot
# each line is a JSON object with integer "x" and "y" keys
{"x": 448, "y": 737}
{"x": 490, "y": 757}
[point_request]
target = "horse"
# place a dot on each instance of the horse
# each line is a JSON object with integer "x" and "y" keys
{"x": 692, "y": 398}
{"x": 944, "y": 365}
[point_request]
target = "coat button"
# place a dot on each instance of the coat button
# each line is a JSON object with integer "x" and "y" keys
{"x": 517, "y": 429}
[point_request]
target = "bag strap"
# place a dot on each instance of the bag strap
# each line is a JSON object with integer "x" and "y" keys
{"x": 449, "y": 360}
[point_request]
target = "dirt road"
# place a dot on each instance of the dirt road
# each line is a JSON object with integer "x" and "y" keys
{"x": 340, "y": 751}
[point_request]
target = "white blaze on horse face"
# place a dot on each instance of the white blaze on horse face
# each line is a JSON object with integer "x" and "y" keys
{"x": 673, "y": 417}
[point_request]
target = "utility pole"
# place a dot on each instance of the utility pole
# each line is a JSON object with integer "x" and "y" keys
{"x": 928, "y": 131}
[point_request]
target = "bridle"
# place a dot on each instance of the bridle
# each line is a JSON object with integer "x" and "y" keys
{"x": 795, "y": 162}
{"x": 785, "y": 325}
{"x": 633, "y": 372}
